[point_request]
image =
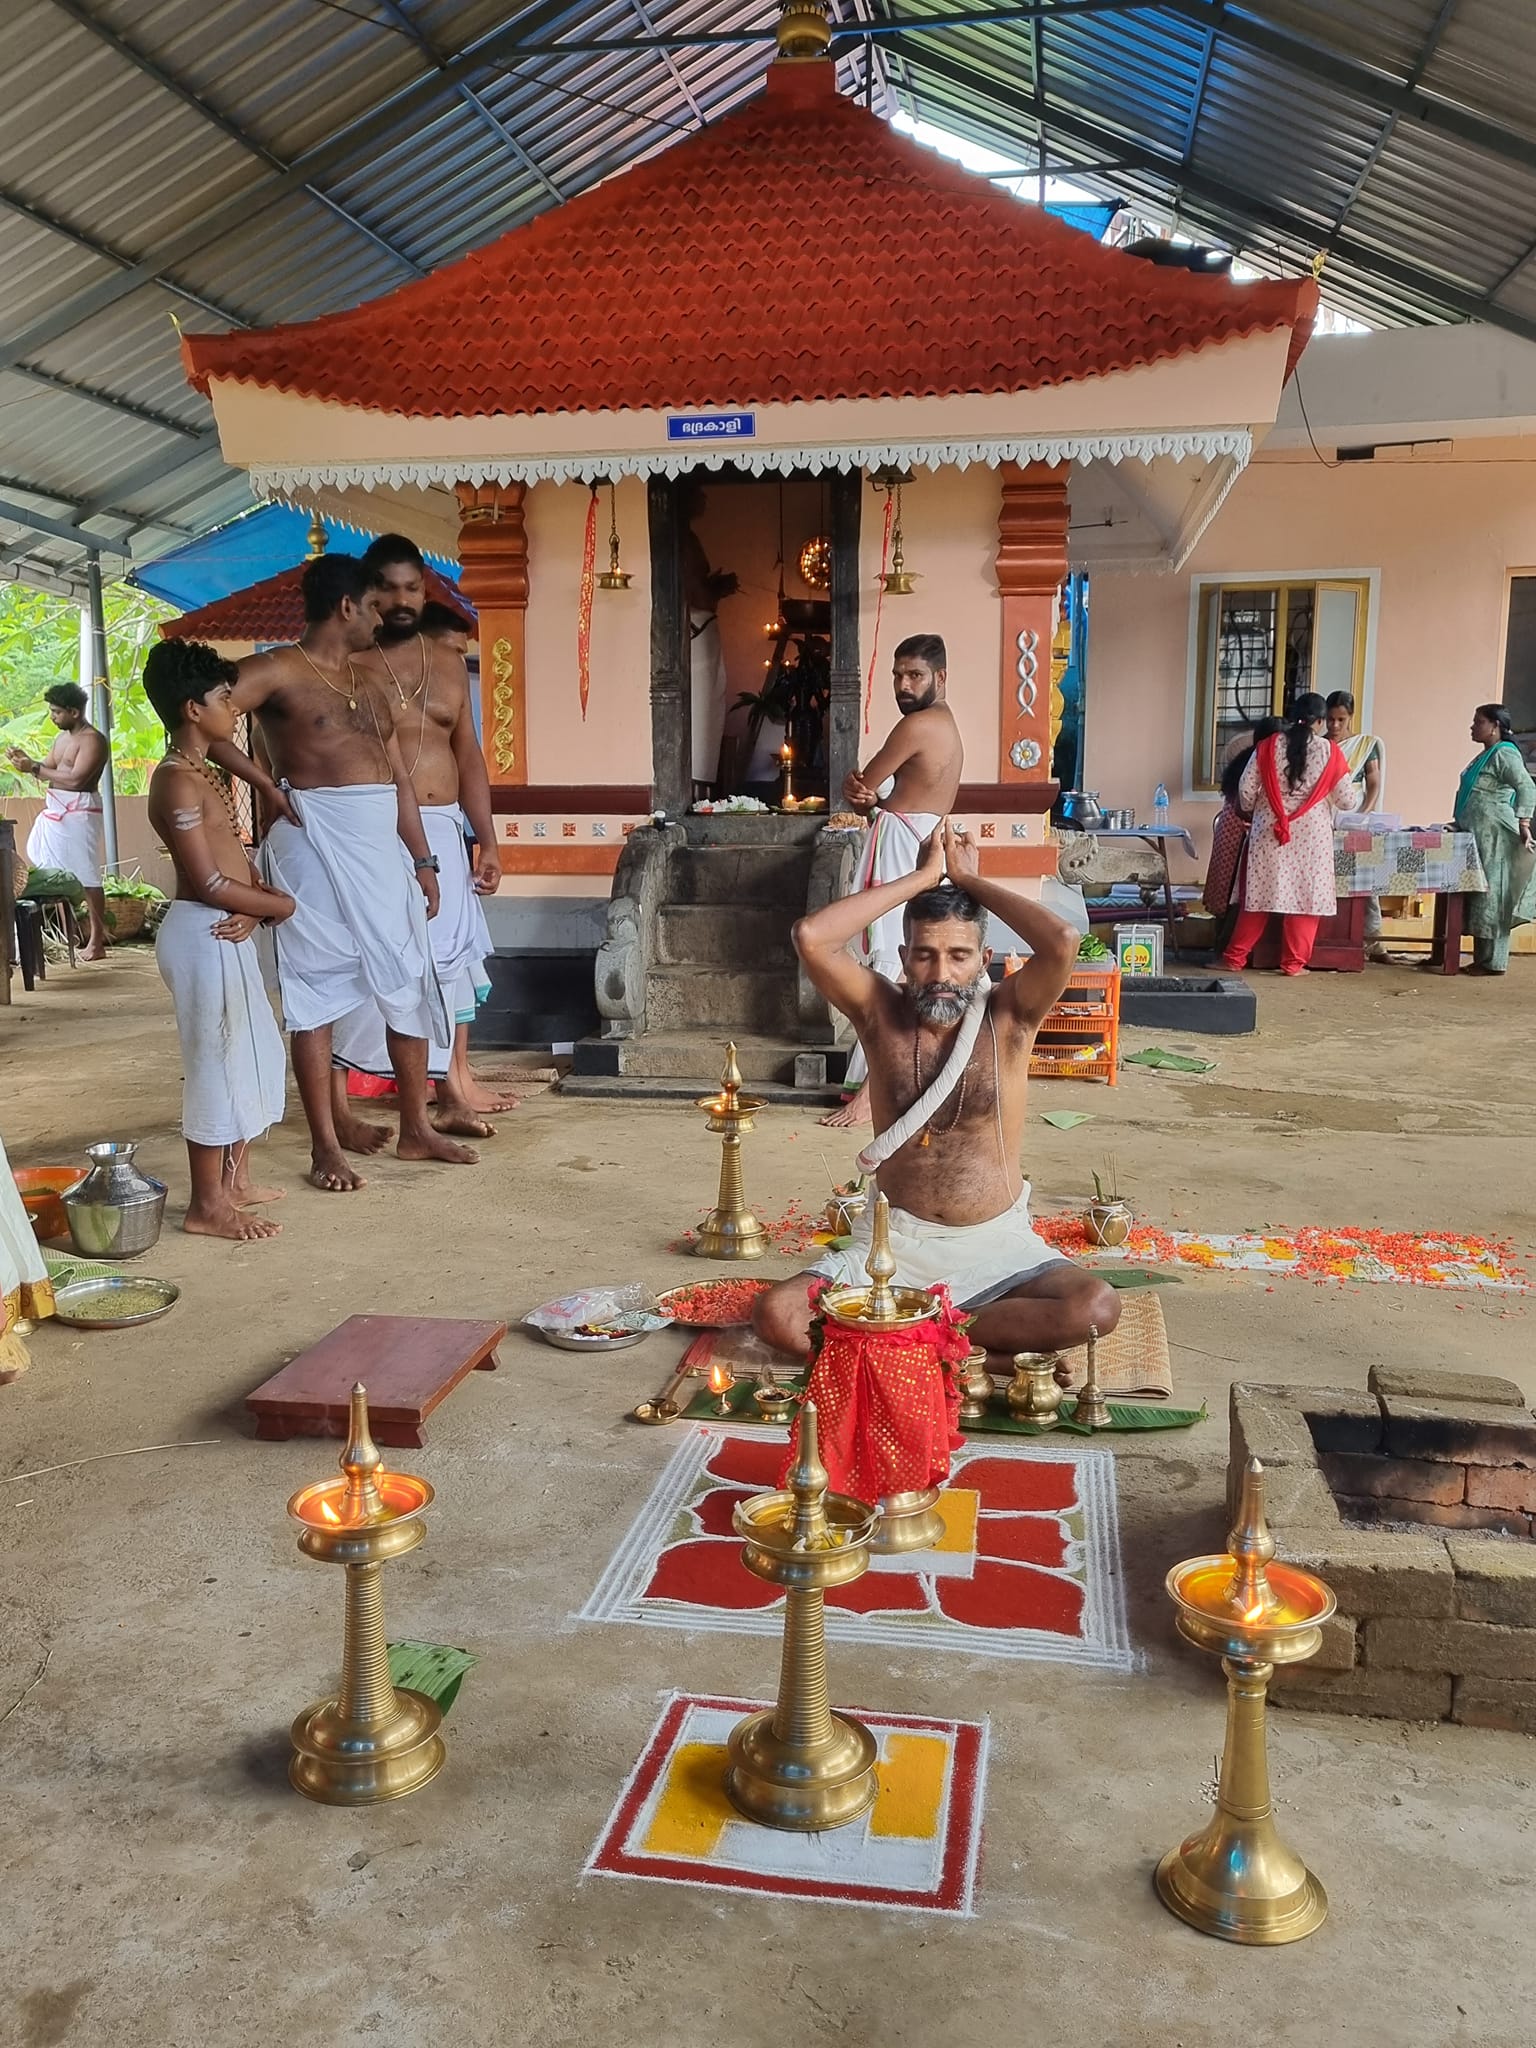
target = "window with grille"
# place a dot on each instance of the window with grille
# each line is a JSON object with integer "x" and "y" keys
{"x": 1260, "y": 646}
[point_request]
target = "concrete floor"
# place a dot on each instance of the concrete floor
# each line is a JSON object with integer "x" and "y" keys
{"x": 164, "y": 1888}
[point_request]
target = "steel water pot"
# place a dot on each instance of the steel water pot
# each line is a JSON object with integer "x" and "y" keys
{"x": 116, "y": 1211}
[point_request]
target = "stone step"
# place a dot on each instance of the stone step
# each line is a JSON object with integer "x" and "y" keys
{"x": 726, "y": 999}
{"x": 658, "y": 1088}
{"x": 691, "y": 1061}
{"x": 771, "y": 875}
{"x": 717, "y": 935}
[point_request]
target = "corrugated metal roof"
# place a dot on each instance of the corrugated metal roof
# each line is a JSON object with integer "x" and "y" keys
{"x": 257, "y": 161}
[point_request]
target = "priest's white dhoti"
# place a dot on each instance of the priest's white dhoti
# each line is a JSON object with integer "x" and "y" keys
{"x": 69, "y": 834}
{"x": 360, "y": 931}
{"x": 977, "y": 1262}
{"x": 234, "y": 1066}
{"x": 460, "y": 940}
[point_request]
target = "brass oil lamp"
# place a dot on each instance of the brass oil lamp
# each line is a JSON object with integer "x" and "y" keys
{"x": 731, "y": 1231}
{"x": 374, "y": 1741}
{"x": 798, "y": 1765}
{"x": 911, "y": 1520}
{"x": 613, "y": 577}
{"x": 1237, "y": 1879}
{"x": 1092, "y": 1410}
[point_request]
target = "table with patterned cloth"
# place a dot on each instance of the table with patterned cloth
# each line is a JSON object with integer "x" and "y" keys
{"x": 1434, "y": 862}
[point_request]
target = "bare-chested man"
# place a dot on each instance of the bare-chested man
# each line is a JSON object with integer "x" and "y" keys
{"x": 68, "y": 832}
{"x": 959, "y": 1204}
{"x": 427, "y": 683}
{"x": 910, "y": 784}
{"x": 345, "y": 841}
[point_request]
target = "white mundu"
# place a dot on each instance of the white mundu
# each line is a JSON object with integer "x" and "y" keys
{"x": 234, "y": 1065}
{"x": 359, "y": 933}
{"x": 69, "y": 834}
{"x": 460, "y": 940}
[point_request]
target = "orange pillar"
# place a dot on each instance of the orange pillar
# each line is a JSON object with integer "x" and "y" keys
{"x": 493, "y": 574}
{"x": 1031, "y": 566}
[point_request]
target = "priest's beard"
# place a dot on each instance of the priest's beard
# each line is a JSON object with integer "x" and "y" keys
{"x": 396, "y": 627}
{"x": 944, "y": 1003}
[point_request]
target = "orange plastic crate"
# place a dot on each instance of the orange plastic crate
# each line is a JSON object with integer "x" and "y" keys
{"x": 1080, "y": 1037}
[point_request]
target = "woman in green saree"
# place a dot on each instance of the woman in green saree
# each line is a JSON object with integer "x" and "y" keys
{"x": 1495, "y": 803}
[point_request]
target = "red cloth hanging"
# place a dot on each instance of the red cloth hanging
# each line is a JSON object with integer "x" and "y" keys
{"x": 887, "y": 1401}
{"x": 584, "y": 603}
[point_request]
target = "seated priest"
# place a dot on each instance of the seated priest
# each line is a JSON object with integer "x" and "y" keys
{"x": 948, "y": 1061}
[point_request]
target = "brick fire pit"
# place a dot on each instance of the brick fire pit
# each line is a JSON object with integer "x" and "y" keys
{"x": 1416, "y": 1502}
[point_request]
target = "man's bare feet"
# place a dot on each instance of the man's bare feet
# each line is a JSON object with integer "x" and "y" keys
{"x": 92, "y": 953}
{"x": 331, "y": 1173}
{"x": 852, "y": 1114}
{"x": 429, "y": 1144}
{"x": 253, "y": 1198}
{"x": 228, "y": 1221}
{"x": 484, "y": 1104}
{"x": 462, "y": 1123}
{"x": 354, "y": 1135}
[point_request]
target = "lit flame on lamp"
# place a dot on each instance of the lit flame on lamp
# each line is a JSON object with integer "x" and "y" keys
{"x": 721, "y": 1381}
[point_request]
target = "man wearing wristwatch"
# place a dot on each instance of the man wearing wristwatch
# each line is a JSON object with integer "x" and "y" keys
{"x": 347, "y": 844}
{"x": 427, "y": 682}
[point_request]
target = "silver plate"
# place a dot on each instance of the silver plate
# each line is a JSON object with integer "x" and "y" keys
{"x": 566, "y": 1340}
{"x": 88, "y": 1304}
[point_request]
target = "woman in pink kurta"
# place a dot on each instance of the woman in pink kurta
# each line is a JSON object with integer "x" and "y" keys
{"x": 1293, "y": 785}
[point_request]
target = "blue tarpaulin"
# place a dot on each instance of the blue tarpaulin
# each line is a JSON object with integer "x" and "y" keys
{"x": 1093, "y": 220}
{"x": 247, "y": 551}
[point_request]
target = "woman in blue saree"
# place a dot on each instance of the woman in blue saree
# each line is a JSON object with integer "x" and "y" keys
{"x": 1494, "y": 803}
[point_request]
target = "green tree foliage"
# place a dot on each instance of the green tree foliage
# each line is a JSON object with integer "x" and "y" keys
{"x": 40, "y": 644}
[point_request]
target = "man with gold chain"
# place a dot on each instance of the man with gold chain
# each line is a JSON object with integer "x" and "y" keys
{"x": 427, "y": 683}
{"x": 347, "y": 844}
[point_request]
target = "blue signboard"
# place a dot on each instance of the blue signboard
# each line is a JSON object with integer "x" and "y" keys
{"x": 711, "y": 426}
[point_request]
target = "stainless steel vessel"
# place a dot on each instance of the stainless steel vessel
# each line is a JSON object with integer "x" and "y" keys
{"x": 116, "y": 1211}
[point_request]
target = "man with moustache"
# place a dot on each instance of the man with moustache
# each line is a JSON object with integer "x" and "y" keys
{"x": 949, "y": 1074}
{"x": 426, "y": 683}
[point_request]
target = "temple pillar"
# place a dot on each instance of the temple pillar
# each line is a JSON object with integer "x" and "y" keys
{"x": 493, "y": 574}
{"x": 671, "y": 671}
{"x": 1031, "y": 567}
{"x": 845, "y": 503}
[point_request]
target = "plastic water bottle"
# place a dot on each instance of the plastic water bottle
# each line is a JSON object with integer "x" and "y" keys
{"x": 1160, "y": 804}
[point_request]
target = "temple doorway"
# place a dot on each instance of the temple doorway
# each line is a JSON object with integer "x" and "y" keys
{"x": 755, "y": 632}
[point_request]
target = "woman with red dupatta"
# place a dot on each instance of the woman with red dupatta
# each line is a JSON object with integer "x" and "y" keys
{"x": 1292, "y": 786}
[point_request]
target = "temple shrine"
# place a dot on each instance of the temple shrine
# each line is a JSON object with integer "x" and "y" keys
{"x": 797, "y": 308}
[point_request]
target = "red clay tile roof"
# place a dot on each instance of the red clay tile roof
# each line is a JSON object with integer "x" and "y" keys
{"x": 273, "y": 610}
{"x": 798, "y": 249}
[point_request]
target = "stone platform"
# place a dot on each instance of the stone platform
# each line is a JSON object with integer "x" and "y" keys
{"x": 1416, "y": 1503}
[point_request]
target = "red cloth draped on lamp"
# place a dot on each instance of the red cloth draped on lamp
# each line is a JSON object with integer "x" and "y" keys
{"x": 1336, "y": 772}
{"x": 887, "y": 1401}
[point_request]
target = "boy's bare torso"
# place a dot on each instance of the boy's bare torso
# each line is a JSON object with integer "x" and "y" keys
{"x": 182, "y": 798}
